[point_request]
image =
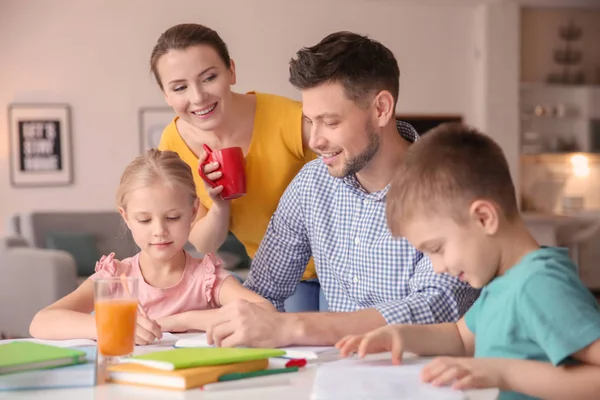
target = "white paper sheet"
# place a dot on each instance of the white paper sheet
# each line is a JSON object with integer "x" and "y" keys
{"x": 364, "y": 379}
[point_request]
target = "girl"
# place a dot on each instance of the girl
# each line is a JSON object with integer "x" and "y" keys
{"x": 193, "y": 69}
{"x": 157, "y": 200}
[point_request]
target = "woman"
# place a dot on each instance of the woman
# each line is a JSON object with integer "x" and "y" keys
{"x": 193, "y": 69}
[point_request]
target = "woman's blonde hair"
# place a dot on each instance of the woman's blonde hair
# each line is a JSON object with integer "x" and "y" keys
{"x": 156, "y": 166}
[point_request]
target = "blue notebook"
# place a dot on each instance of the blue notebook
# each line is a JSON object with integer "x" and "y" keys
{"x": 81, "y": 375}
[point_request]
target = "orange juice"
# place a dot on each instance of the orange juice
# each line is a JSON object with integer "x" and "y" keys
{"x": 115, "y": 325}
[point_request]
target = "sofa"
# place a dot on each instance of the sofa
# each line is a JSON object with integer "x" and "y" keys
{"x": 89, "y": 235}
{"x": 31, "y": 279}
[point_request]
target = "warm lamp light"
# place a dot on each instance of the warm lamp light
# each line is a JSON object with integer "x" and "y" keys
{"x": 580, "y": 165}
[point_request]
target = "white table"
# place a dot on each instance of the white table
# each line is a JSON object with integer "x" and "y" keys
{"x": 299, "y": 388}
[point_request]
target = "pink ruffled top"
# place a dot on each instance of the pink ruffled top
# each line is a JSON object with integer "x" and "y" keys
{"x": 198, "y": 288}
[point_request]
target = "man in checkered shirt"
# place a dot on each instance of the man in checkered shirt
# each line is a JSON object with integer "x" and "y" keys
{"x": 334, "y": 210}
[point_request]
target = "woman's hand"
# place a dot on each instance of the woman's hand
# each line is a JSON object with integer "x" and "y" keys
{"x": 212, "y": 173}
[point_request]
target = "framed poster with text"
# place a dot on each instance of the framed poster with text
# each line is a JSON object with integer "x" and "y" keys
{"x": 40, "y": 145}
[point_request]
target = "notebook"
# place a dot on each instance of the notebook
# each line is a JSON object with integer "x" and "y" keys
{"x": 179, "y": 379}
{"x": 306, "y": 352}
{"x": 60, "y": 343}
{"x": 80, "y": 375}
{"x": 364, "y": 379}
{"x": 25, "y": 356}
{"x": 167, "y": 339}
{"x": 175, "y": 359}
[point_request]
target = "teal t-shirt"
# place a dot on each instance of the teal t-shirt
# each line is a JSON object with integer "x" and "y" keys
{"x": 538, "y": 310}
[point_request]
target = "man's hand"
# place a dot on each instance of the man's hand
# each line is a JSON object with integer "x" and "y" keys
{"x": 466, "y": 373}
{"x": 242, "y": 323}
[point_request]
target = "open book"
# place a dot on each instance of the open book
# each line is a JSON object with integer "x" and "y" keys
{"x": 306, "y": 352}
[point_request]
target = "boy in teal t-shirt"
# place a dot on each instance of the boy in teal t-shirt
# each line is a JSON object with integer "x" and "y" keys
{"x": 534, "y": 331}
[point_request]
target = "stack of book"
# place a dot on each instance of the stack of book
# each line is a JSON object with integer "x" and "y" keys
{"x": 186, "y": 368}
{"x": 26, "y": 365}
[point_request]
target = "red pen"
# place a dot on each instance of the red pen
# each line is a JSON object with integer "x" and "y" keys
{"x": 296, "y": 362}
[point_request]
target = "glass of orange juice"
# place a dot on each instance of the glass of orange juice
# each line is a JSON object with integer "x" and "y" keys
{"x": 115, "y": 306}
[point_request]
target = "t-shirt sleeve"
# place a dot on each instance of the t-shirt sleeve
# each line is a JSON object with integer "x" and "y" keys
{"x": 110, "y": 267}
{"x": 559, "y": 313}
{"x": 472, "y": 313}
{"x": 213, "y": 276}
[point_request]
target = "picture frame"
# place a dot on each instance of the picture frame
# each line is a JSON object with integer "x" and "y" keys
{"x": 40, "y": 151}
{"x": 153, "y": 121}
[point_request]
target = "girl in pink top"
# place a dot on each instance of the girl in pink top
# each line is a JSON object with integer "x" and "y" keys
{"x": 157, "y": 200}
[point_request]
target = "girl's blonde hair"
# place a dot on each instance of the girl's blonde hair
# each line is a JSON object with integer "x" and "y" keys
{"x": 156, "y": 166}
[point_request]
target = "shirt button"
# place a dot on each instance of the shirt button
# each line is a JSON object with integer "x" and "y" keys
{"x": 365, "y": 201}
{"x": 356, "y": 241}
{"x": 355, "y": 280}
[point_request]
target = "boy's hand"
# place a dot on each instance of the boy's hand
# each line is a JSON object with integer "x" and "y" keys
{"x": 387, "y": 338}
{"x": 146, "y": 330}
{"x": 466, "y": 373}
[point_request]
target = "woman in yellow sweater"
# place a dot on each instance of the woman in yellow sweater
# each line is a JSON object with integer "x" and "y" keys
{"x": 193, "y": 69}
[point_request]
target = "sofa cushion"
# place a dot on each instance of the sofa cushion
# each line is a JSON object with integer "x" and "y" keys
{"x": 110, "y": 232}
{"x": 81, "y": 245}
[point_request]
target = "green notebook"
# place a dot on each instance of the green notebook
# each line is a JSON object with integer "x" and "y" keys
{"x": 170, "y": 360}
{"x": 25, "y": 356}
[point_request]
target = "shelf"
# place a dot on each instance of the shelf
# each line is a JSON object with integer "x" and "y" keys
{"x": 565, "y": 118}
{"x": 557, "y": 157}
{"x": 537, "y": 85}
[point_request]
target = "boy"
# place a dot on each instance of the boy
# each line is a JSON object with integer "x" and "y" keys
{"x": 535, "y": 329}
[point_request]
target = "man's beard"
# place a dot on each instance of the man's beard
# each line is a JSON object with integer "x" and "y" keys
{"x": 355, "y": 164}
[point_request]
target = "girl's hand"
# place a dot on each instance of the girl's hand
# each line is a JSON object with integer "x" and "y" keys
{"x": 147, "y": 330}
{"x": 211, "y": 171}
{"x": 466, "y": 373}
{"x": 174, "y": 323}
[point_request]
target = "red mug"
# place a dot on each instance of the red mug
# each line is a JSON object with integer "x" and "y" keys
{"x": 232, "y": 166}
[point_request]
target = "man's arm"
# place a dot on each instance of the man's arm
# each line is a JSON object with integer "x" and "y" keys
{"x": 433, "y": 298}
{"x": 285, "y": 249}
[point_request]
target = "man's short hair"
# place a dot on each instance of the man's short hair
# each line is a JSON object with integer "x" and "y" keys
{"x": 451, "y": 166}
{"x": 363, "y": 66}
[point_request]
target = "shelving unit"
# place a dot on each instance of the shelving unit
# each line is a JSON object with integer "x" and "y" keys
{"x": 559, "y": 118}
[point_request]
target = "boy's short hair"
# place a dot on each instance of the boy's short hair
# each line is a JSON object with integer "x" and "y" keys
{"x": 451, "y": 166}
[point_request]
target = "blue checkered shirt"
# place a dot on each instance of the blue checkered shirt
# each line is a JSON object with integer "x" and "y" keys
{"x": 358, "y": 262}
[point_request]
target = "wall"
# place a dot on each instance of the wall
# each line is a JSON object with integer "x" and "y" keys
{"x": 93, "y": 55}
{"x": 495, "y": 94}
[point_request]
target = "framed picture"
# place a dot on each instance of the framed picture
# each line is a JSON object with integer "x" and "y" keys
{"x": 40, "y": 145}
{"x": 153, "y": 120}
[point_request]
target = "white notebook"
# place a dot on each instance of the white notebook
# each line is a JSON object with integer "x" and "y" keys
{"x": 306, "y": 352}
{"x": 365, "y": 379}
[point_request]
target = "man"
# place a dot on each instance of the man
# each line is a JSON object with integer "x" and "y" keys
{"x": 334, "y": 210}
